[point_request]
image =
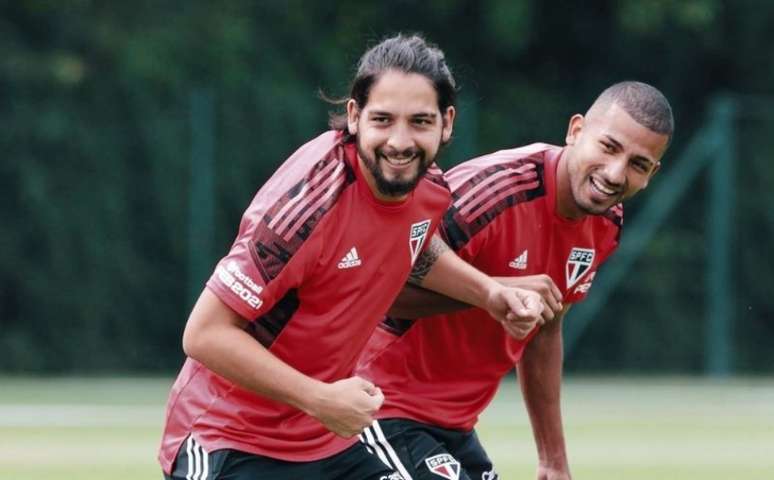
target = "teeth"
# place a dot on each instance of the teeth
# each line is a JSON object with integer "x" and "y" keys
{"x": 602, "y": 189}
{"x": 399, "y": 161}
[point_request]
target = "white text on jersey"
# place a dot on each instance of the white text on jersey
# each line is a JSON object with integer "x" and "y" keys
{"x": 237, "y": 285}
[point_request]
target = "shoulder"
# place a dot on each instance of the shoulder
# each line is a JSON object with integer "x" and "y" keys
{"x": 319, "y": 147}
{"x": 501, "y": 179}
{"x": 318, "y": 166}
{"x": 485, "y": 187}
{"x": 515, "y": 161}
{"x": 434, "y": 182}
{"x": 292, "y": 204}
{"x": 316, "y": 175}
{"x": 326, "y": 150}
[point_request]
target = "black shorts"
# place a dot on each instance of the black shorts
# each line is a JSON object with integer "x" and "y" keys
{"x": 424, "y": 452}
{"x": 355, "y": 463}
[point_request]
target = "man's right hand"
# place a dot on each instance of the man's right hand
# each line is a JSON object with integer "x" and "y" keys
{"x": 542, "y": 285}
{"x": 346, "y": 407}
{"x": 525, "y": 308}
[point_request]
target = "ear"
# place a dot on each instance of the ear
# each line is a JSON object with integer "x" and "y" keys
{"x": 650, "y": 177}
{"x": 353, "y": 115}
{"x": 574, "y": 129}
{"x": 448, "y": 124}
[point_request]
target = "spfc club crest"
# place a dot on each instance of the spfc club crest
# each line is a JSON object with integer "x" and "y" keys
{"x": 417, "y": 237}
{"x": 578, "y": 263}
{"x": 444, "y": 465}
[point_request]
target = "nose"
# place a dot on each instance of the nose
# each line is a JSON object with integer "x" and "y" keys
{"x": 615, "y": 171}
{"x": 400, "y": 139}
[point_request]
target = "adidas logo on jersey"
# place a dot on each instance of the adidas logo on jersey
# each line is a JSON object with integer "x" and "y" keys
{"x": 520, "y": 262}
{"x": 350, "y": 260}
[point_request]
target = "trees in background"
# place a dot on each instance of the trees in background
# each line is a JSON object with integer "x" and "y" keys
{"x": 95, "y": 108}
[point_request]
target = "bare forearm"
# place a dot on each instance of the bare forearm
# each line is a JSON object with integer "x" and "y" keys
{"x": 416, "y": 302}
{"x": 540, "y": 376}
{"x": 442, "y": 271}
{"x": 215, "y": 335}
{"x": 427, "y": 260}
{"x": 235, "y": 355}
{"x": 228, "y": 350}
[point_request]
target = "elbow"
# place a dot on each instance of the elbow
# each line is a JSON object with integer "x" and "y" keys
{"x": 209, "y": 321}
{"x": 187, "y": 344}
{"x": 192, "y": 341}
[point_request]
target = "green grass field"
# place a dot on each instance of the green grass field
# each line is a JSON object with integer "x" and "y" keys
{"x": 634, "y": 429}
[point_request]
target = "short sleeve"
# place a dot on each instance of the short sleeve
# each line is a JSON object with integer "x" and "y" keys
{"x": 244, "y": 279}
{"x": 457, "y": 233}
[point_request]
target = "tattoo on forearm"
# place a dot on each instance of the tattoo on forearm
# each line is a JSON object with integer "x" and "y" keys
{"x": 426, "y": 260}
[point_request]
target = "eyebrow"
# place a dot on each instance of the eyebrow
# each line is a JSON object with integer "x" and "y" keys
{"x": 614, "y": 141}
{"x": 620, "y": 146}
{"x": 380, "y": 113}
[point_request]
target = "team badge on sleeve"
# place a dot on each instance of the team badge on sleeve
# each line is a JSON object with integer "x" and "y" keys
{"x": 578, "y": 263}
{"x": 417, "y": 237}
{"x": 444, "y": 465}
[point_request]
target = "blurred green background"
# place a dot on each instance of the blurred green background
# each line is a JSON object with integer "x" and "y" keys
{"x": 134, "y": 134}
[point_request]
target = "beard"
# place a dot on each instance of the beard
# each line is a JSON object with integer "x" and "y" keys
{"x": 401, "y": 185}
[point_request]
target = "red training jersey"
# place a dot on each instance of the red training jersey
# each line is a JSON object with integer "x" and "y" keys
{"x": 444, "y": 370}
{"x": 317, "y": 261}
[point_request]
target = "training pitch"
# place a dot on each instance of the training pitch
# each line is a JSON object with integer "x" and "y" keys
{"x": 622, "y": 428}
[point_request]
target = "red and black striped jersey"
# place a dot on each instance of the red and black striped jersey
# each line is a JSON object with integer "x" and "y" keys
{"x": 444, "y": 370}
{"x": 317, "y": 261}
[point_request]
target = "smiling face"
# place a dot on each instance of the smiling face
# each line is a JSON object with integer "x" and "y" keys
{"x": 399, "y": 132}
{"x": 609, "y": 158}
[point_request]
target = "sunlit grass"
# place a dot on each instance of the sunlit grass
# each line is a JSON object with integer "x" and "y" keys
{"x": 634, "y": 429}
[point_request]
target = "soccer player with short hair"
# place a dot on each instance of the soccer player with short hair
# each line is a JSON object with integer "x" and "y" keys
{"x": 541, "y": 217}
{"x": 327, "y": 243}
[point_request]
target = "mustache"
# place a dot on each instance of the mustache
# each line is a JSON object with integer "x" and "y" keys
{"x": 395, "y": 153}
